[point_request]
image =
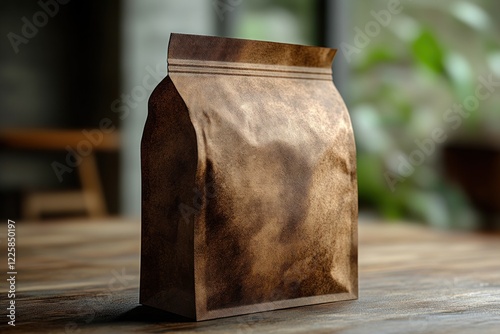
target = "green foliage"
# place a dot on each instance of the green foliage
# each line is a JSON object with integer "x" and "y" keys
{"x": 428, "y": 52}
{"x": 402, "y": 85}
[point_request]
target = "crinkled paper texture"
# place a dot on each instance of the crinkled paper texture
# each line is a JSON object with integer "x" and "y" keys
{"x": 249, "y": 181}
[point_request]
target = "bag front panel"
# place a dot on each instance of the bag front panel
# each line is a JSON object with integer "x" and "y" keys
{"x": 277, "y": 169}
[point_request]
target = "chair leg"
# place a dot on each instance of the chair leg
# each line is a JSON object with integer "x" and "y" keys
{"x": 92, "y": 187}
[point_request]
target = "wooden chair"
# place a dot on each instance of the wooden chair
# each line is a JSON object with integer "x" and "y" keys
{"x": 90, "y": 198}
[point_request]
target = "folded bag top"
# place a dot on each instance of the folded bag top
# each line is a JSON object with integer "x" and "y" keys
{"x": 231, "y": 50}
{"x": 249, "y": 191}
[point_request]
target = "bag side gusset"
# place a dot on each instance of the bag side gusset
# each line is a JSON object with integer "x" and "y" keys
{"x": 169, "y": 162}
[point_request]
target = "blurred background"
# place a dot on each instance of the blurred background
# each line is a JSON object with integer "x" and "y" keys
{"x": 421, "y": 80}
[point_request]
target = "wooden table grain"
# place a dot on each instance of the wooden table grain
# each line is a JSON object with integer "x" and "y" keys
{"x": 82, "y": 277}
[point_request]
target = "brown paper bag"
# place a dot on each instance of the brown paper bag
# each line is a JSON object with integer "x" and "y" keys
{"x": 249, "y": 191}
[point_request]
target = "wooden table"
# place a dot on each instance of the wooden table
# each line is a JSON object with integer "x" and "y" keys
{"x": 82, "y": 277}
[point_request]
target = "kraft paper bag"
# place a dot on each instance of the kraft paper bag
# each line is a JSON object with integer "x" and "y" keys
{"x": 249, "y": 190}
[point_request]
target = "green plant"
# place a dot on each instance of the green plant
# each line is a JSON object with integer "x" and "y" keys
{"x": 404, "y": 83}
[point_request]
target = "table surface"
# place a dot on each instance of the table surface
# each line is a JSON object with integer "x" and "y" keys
{"x": 81, "y": 276}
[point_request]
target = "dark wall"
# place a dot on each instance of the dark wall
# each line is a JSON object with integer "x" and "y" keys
{"x": 59, "y": 68}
